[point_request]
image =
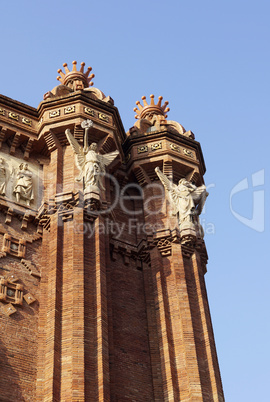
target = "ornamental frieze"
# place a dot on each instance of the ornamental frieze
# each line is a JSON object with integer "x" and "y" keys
{"x": 16, "y": 117}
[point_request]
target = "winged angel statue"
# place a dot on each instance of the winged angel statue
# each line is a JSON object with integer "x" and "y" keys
{"x": 90, "y": 163}
{"x": 187, "y": 199}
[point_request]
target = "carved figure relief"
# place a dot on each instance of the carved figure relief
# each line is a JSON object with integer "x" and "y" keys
{"x": 2, "y": 177}
{"x": 23, "y": 188}
{"x": 90, "y": 163}
{"x": 187, "y": 200}
{"x": 20, "y": 182}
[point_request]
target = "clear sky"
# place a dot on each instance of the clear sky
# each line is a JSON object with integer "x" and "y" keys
{"x": 210, "y": 59}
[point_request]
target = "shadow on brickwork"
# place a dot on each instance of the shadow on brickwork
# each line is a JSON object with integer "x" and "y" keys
{"x": 9, "y": 380}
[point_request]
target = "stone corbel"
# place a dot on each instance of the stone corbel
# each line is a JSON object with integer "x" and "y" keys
{"x": 14, "y": 143}
{"x": 141, "y": 176}
{"x": 25, "y": 221}
{"x": 163, "y": 240}
{"x": 31, "y": 268}
{"x": 2, "y": 136}
{"x": 51, "y": 141}
{"x": 9, "y": 215}
{"x": 28, "y": 148}
{"x": 65, "y": 203}
{"x": 128, "y": 251}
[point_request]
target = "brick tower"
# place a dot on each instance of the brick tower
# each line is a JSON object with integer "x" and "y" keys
{"x": 102, "y": 292}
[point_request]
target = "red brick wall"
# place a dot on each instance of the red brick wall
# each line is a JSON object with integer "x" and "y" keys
{"x": 19, "y": 332}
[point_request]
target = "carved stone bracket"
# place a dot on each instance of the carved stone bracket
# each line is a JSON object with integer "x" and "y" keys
{"x": 24, "y": 214}
{"x": 63, "y": 204}
{"x": 31, "y": 268}
{"x": 128, "y": 251}
{"x": 141, "y": 176}
{"x": 92, "y": 200}
{"x": 188, "y": 243}
{"x": 28, "y": 148}
{"x": 14, "y": 143}
{"x": 3, "y": 133}
{"x": 163, "y": 240}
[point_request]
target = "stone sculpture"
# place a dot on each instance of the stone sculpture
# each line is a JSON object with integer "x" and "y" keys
{"x": 186, "y": 198}
{"x": 2, "y": 177}
{"x": 23, "y": 188}
{"x": 90, "y": 163}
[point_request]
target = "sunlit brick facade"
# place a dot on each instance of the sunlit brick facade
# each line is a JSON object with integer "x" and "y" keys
{"x": 102, "y": 292}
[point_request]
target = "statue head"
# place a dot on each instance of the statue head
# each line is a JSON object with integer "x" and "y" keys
{"x": 93, "y": 146}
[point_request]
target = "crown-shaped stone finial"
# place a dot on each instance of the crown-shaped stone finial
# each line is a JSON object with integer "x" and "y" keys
{"x": 152, "y": 108}
{"x": 75, "y": 74}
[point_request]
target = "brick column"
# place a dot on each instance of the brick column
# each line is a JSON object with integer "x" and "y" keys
{"x": 72, "y": 350}
{"x": 207, "y": 355}
{"x": 50, "y": 327}
{"x": 96, "y": 320}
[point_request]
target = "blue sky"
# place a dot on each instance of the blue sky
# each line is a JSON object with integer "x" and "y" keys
{"x": 210, "y": 60}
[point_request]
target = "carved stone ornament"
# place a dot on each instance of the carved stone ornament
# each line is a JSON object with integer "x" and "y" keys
{"x": 188, "y": 152}
{"x": 91, "y": 164}
{"x": 54, "y": 113}
{"x": 69, "y": 109}
{"x": 27, "y": 121}
{"x": 13, "y": 116}
{"x": 12, "y": 246}
{"x": 153, "y": 117}
{"x": 89, "y": 111}
{"x": 11, "y": 295}
{"x": 175, "y": 147}
{"x": 142, "y": 149}
{"x": 157, "y": 145}
{"x": 11, "y": 292}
